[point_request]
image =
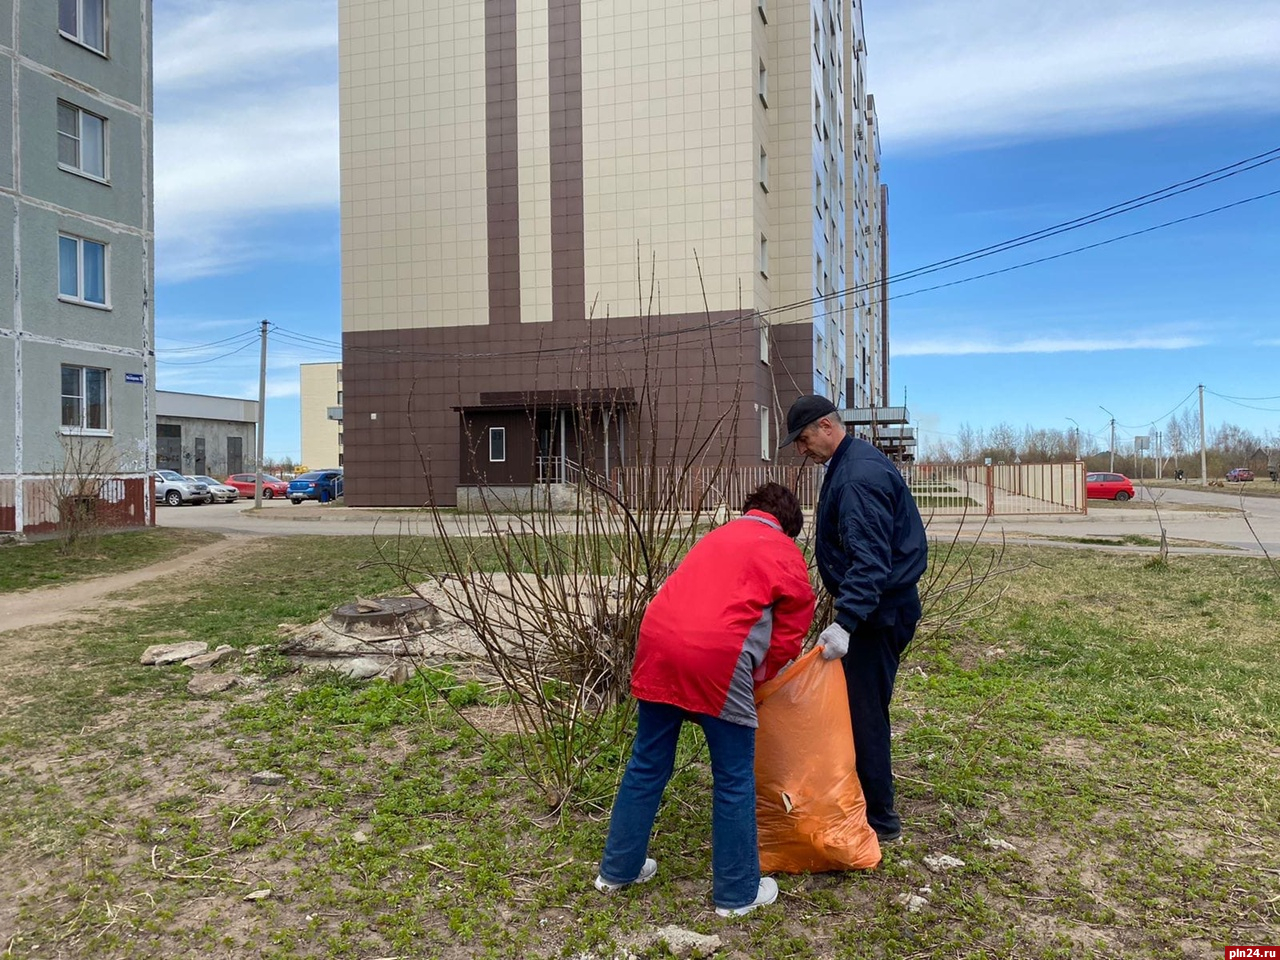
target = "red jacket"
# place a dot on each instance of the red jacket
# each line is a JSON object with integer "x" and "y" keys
{"x": 733, "y": 613}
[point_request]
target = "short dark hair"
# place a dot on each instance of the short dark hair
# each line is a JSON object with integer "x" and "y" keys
{"x": 780, "y": 503}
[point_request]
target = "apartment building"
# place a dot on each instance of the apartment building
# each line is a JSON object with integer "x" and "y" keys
{"x": 576, "y": 234}
{"x": 76, "y": 325}
{"x": 320, "y": 393}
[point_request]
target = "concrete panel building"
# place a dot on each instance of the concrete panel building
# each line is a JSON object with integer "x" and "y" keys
{"x": 198, "y": 434}
{"x": 76, "y": 325}
{"x": 320, "y": 394}
{"x": 575, "y": 233}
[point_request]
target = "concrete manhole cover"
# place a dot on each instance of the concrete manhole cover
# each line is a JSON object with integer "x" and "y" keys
{"x": 383, "y": 615}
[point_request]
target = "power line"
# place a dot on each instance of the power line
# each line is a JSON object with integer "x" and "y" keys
{"x": 332, "y": 345}
{"x": 1247, "y": 406}
{"x": 1106, "y": 213}
{"x": 1176, "y": 407}
{"x": 204, "y": 346}
{"x": 196, "y": 363}
{"x": 1090, "y": 246}
{"x": 1223, "y": 396}
{"x": 1127, "y": 206}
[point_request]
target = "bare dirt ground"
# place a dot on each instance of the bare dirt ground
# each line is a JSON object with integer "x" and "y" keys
{"x": 48, "y": 605}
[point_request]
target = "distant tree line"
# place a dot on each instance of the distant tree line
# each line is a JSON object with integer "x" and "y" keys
{"x": 282, "y": 467}
{"x": 1226, "y": 446}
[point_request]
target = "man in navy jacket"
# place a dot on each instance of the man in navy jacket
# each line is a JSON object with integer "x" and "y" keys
{"x": 871, "y": 551}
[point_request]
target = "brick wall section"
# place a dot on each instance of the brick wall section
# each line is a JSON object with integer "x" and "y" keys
{"x": 403, "y": 388}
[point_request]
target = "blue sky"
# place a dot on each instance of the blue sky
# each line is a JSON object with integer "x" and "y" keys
{"x": 998, "y": 118}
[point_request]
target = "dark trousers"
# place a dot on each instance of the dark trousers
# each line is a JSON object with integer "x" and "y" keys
{"x": 870, "y": 669}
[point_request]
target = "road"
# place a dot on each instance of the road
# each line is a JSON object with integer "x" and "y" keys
{"x": 1221, "y": 518}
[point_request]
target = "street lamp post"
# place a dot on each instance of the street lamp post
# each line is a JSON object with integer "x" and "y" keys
{"x": 1072, "y": 419}
{"x": 1112, "y": 468}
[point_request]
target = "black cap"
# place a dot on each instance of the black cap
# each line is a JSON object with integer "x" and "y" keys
{"x": 803, "y": 412}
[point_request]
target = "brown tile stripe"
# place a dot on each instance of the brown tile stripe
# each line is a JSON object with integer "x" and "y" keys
{"x": 884, "y": 293}
{"x": 568, "y": 261}
{"x": 403, "y": 388}
{"x": 502, "y": 158}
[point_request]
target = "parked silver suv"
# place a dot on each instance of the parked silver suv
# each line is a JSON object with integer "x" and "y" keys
{"x": 174, "y": 489}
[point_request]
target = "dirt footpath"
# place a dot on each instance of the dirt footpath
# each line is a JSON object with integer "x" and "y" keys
{"x": 46, "y": 605}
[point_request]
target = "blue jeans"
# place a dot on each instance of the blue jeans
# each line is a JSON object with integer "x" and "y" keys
{"x": 735, "y": 857}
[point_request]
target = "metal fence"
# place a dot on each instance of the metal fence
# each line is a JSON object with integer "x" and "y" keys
{"x": 1016, "y": 489}
{"x": 997, "y": 490}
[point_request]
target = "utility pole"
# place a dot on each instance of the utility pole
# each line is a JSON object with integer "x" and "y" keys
{"x": 1204, "y": 471}
{"x": 1072, "y": 419}
{"x": 262, "y": 414}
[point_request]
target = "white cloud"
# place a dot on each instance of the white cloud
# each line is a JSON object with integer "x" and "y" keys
{"x": 976, "y": 71}
{"x": 246, "y": 128}
{"x": 963, "y": 346}
{"x": 198, "y": 44}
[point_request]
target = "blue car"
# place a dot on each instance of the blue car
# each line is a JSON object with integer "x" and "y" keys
{"x": 322, "y": 485}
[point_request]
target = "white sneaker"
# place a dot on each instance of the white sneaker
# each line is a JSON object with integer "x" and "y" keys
{"x": 766, "y": 894}
{"x": 646, "y": 874}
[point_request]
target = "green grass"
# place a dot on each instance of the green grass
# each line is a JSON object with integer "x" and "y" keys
{"x": 929, "y": 501}
{"x": 39, "y": 563}
{"x": 1118, "y": 722}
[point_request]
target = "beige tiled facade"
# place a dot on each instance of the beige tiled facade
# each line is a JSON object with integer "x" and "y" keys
{"x": 320, "y": 388}
{"x": 513, "y": 168}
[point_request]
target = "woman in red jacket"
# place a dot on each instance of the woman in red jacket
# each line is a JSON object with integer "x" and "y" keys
{"x": 733, "y": 613}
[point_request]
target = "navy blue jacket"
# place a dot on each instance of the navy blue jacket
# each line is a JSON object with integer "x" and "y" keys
{"x": 870, "y": 541}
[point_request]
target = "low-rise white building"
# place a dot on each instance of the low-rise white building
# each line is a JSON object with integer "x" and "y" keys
{"x": 197, "y": 434}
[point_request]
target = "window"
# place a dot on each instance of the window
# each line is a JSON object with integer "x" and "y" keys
{"x": 764, "y": 340}
{"x": 82, "y": 140}
{"x": 764, "y": 170}
{"x": 497, "y": 444}
{"x": 762, "y": 84}
{"x": 82, "y": 270}
{"x": 764, "y": 255}
{"x": 84, "y": 21}
{"x": 339, "y": 398}
{"x": 84, "y": 398}
{"x": 764, "y": 15}
{"x": 765, "y": 452}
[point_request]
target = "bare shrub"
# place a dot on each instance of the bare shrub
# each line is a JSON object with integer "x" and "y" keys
{"x": 77, "y": 487}
{"x": 553, "y": 588}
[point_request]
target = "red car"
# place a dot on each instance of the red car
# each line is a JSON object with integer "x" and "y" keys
{"x": 1239, "y": 475}
{"x": 247, "y": 483}
{"x": 1108, "y": 486}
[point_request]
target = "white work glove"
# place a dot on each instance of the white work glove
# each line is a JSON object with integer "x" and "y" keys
{"x": 834, "y": 642}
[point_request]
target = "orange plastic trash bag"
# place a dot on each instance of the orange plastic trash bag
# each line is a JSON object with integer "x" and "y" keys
{"x": 810, "y": 811}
